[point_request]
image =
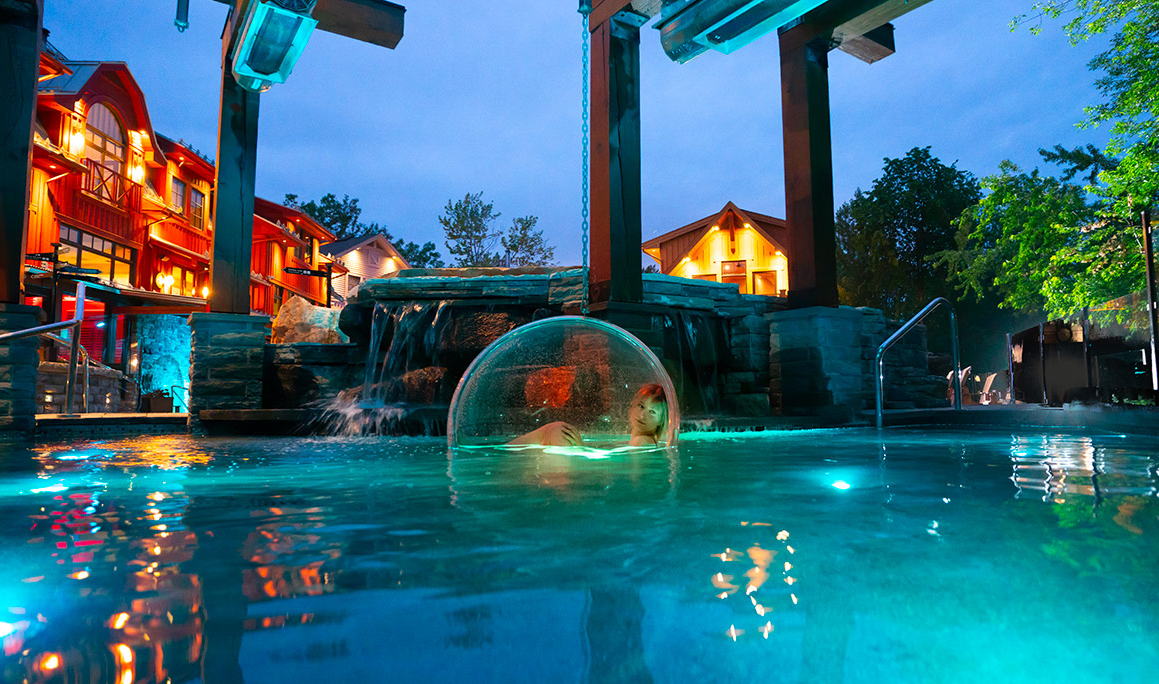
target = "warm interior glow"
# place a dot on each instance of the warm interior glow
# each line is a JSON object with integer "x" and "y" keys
{"x": 205, "y": 293}
{"x": 120, "y": 620}
{"x": 124, "y": 653}
{"x": 49, "y": 661}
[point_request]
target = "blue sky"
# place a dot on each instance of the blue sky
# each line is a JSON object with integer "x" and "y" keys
{"x": 486, "y": 97}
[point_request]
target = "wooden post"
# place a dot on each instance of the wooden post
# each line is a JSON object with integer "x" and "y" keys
{"x": 237, "y": 145}
{"x": 20, "y": 45}
{"x": 808, "y": 168}
{"x": 615, "y": 160}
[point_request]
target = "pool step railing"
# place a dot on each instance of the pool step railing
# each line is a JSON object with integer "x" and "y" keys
{"x": 73, "y": 338}
{"x": 879, "y": 378}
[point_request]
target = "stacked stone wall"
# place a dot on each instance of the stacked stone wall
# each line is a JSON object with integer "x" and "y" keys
{"x": 226, "y": 358}
{"x": 18, "y": 363}
{"x": 110, "y": 391}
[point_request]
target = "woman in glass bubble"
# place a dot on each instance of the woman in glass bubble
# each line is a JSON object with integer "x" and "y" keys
{"x": 647, "y": 420}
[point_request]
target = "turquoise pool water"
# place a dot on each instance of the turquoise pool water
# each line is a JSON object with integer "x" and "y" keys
{"x": 817, "y": 556}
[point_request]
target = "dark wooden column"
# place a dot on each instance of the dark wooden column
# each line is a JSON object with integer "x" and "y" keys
{"x": 237, "y": 145}
{"x": 808, "y": 168}
{"x": 20, "y": 43}
{"x": 615, "y": 160}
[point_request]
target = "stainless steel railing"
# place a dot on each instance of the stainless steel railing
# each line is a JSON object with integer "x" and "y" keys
{"x": 73, "y": 341}
{"x": 880, "y": 379}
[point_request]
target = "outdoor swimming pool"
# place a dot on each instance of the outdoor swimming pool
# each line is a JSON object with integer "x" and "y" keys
{"x": 821, "y": 556}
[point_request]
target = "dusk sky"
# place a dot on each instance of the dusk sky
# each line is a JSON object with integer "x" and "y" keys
{"x": 486, "y": 97}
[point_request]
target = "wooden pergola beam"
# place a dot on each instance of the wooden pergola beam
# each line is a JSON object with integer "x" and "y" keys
{"x": 377, "y": 22}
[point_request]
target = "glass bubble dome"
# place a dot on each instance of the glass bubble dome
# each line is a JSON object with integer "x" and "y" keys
{"x": 578, "y": 370}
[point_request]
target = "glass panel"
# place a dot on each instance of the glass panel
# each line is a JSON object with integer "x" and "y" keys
{"x": 119, "y": 348}
{"x": 765, "y": 283}
{"x": 100, "y": 262}
{"x": 190, "y": 287}
{"x": 177, "y": 194}
{"x": 121, "y": 273}
{"x": 68, "y": 254}
{"x": 102, "y": 119}
{"x": 87, "y": 240}
{"x": 196, "y": 207}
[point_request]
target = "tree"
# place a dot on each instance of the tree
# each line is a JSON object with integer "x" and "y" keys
{"x": 525, "y": 246}
{"x": 886, "y": 236}
{"x": 1040, "y": 245}
{"x": 340, "y": 216}
{"x": 1129, "y": 85}
{"x": 1006, "y": 243}
{"x": 469, "y": 228}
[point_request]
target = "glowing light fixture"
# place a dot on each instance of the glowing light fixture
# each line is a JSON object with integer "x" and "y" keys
{"x": 688, "y": 29}
{"x": 49, "y": 661}
{"x": 272, "y": 37}
{"x": 841, "y": 484}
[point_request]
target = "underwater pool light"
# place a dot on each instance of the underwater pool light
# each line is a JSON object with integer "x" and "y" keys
{"x": 841, "y": 484}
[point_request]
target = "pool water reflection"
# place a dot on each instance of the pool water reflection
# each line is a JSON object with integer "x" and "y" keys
{"x": 806, "y": 556}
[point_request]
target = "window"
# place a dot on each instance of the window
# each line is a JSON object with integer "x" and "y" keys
{"x": 113, "y": 262}
{"x": 196, "y": 208}
{"x": 177, "y": 195}
{"x": 105, "y": 147}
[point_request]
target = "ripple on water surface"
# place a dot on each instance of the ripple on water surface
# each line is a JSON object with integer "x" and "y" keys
{"x": 800, "y": 556}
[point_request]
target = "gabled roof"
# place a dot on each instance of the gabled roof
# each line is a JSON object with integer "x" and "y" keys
{"x": 769, "y": 227}
{"x": 274, "y": 212}
{"x": 63, "y": 91}
{"x": 183, "y": 154}
{"x": 345, "y": 246}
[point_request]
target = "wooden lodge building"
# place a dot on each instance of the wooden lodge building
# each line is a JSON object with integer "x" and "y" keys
{"x": 132, "y": 209}
{"x": 730, "y": 246}
{"x": 362, "y": 257}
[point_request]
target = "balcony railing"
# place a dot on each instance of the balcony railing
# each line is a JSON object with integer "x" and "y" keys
{"x": 101, "y": 199}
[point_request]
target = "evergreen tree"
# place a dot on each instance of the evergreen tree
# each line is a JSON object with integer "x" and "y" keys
{"x": 340, "y": 216}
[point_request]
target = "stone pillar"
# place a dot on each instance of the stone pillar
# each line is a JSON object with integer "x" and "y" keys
{"x": 225, "y": 361}
{"x": 18, "y": 368}
{"x": 815, "y": 362}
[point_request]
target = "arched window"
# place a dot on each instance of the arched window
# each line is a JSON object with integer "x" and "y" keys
{"x": 105, "y": 145}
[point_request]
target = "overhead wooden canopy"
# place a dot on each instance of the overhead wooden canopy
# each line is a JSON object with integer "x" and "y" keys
{"x": 372, "y": 21}
{"x": 848, "y": 20}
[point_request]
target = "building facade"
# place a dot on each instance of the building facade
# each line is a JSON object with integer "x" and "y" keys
{"x": 130, "y": 211}
{"x": 361, "y": 258}
{"x": 730, "y": 246}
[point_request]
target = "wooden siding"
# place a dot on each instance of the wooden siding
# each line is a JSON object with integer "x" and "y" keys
{"x": 674, "y": 250}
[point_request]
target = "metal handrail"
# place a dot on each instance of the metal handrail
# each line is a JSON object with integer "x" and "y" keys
{"x": 880, "y": 379}
{"x": 88, "y": 359}
{"x": 74, "y": 341}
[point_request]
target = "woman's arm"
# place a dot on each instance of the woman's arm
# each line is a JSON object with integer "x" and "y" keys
{"x": 558, "y": 433}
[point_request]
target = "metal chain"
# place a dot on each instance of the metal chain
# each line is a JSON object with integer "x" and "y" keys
{"x": 584, "y": 136}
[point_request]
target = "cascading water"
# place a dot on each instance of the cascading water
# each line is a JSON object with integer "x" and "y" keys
{"x": 385, "y": 402}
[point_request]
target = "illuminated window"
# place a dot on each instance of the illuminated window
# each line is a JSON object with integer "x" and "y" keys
{"x": 177, "y": 192}
{"x": 765, "y": 283}
{"x": 105, "y": 147}
{"x": 196, "y": 208}
{"x": 113, "y": 261}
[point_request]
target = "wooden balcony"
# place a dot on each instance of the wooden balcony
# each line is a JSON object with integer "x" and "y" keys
{"x": 103, "y": 202}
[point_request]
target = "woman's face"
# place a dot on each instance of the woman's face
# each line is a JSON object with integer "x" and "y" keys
{"x": 646, "y": 415}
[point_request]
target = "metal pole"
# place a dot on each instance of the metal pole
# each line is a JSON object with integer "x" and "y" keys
{"x": 1042, "y": 359}
{"x": 1009, "y": 369}
{"x": 329, "y": 283}
{"x": 73, "y": 353}
{"x": 1150, "y": 259}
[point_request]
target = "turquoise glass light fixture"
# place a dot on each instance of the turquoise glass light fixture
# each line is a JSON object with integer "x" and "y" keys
{"x": 271, "y": 39}
{"x": 688, "y": 28}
